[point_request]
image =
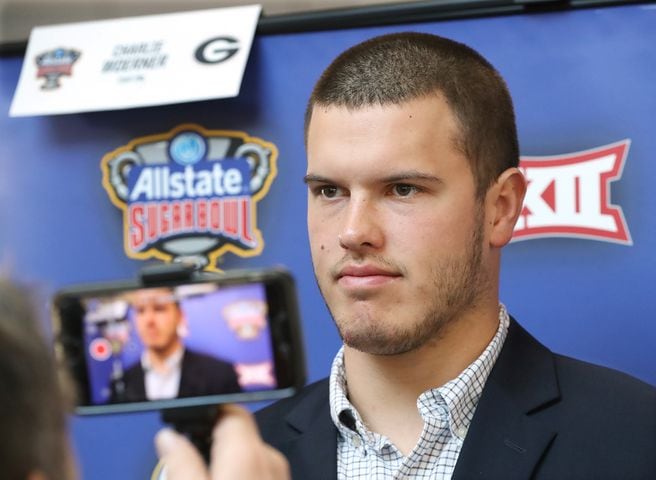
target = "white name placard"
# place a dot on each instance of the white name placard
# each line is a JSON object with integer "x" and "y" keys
{"x": 135, "y": 62}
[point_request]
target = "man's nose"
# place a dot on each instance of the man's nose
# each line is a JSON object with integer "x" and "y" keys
{"x": 149, "y": 316}
{"x": 361, "y": 228}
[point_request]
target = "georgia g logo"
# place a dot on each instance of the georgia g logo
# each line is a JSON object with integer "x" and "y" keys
{"x": 191, "y": 193}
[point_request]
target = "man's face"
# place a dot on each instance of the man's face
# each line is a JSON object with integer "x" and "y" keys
{"x": 157, "y": 318}
{"x": 395, "y": 229}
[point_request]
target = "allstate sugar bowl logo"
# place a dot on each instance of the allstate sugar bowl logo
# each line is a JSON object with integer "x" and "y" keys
{"x": 191, "y": 193}
{"x": 54, "y": 64}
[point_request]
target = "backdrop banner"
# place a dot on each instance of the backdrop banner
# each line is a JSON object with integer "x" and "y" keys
{"x": 579, "y": 276}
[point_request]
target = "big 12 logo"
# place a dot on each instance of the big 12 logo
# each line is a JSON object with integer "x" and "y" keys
{"x": 569, "y": 196}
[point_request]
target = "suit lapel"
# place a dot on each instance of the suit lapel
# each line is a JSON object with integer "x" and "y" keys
{"x": 139, "y": 392}
{"x": 503, "y": 440}
{"x": 314, "y": 449}
{"x": 187, "y": 377}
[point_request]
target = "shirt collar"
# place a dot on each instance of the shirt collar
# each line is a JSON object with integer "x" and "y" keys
{"x": 460, "y": 395}
{"x": 172, "y": 362}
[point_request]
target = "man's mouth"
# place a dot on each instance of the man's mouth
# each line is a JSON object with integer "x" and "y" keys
{"x": 365, "y": 276}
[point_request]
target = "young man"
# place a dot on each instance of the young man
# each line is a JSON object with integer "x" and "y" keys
{"x": 167, "y": 369}
{"x": 413, "y": 192}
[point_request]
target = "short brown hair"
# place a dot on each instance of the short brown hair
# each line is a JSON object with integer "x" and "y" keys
{"x": 32, "y": 405}
{"x": 399, "y": 67}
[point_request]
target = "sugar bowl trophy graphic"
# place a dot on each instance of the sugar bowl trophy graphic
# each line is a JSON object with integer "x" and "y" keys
{"x": 247, "y": 318}
{"x": 190, "y": 194}
{"x": 54, "y": 64}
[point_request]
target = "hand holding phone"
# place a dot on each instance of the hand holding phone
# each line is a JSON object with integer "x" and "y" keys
{"x": 237, "y": 453}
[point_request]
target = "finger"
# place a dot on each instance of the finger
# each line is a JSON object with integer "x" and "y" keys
{"x": 234, "y": 439}
{"x": 238, "y": 451}
{"x": 278, "y": 464}
{"x": 234, "y": 420}
{"x": 181, "y": 460}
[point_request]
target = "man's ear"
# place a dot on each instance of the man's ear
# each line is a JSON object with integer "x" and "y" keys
{"x": 183, "y": 327}
{"x": 505, "y": 200}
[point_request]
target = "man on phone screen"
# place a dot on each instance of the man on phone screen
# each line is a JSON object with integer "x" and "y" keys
{"x": 167, "y": 369}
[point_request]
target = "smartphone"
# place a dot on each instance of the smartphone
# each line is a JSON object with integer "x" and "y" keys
{"x": 180, "y": 340}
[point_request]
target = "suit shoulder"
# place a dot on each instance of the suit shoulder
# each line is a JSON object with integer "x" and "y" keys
{"x": 583, "y": 378}
{"x": 605, "y": 424}
{"x": 579, "y": 382}
{"x": 133, "y": 371}
{"x": 599, "y": 402}
{"x": 205, "y": 361}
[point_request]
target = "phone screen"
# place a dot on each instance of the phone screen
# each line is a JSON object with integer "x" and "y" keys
{"x": 168, "y": 343}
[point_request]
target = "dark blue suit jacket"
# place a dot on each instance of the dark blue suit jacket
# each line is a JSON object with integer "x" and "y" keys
{"x": 541, "y": 416}
{"x": 200, "y": 375}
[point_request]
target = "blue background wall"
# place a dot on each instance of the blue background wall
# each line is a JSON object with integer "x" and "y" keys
{"x": 580, "y": 80}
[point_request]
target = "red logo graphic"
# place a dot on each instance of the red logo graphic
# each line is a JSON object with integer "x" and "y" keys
{"x": 256, "y": 374}
{"x": 100, "y": 349}
{"x": 569, "y": 196}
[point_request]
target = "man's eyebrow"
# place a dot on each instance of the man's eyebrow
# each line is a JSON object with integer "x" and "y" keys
{"x": 397, "y": 177}
{"x": 311, "y": 178}
{"x": 410, "y": 175}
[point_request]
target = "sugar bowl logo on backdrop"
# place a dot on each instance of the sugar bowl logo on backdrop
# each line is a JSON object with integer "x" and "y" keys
{"x": 569, "y": 196}
{"x": 191, "y": 193}
{"x": 54, "y": 64}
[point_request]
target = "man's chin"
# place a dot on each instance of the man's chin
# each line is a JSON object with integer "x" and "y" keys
{"x": 386, "y": 350}
{"x": 156, "y": 349}
{"x": 377, "y": 343}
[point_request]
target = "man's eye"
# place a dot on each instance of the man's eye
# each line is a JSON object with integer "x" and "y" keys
{"x": 404, "y": 190}
{"x": 328, "y": 191}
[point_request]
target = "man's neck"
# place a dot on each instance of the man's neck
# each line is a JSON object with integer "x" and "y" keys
{"x": 158, "y": 358}
{"x": 385, "y": 388}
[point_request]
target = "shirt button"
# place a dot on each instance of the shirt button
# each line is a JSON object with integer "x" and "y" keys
{"x": 461, "y": 432}
{"x": 356, "y": 441}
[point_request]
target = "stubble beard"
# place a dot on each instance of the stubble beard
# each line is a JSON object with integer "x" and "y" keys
{"x": 458, "y": 283}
